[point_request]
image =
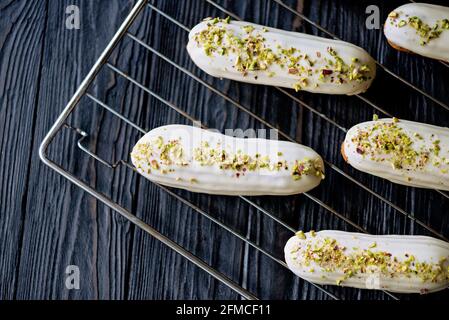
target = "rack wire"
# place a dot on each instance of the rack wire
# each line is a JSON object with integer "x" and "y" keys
{"x": 82, "y": 91}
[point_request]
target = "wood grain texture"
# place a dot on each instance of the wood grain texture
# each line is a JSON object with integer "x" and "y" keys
{"x": 46, "y": 223}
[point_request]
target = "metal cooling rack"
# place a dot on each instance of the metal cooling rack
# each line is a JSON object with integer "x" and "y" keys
{"x": 103, "y": 62}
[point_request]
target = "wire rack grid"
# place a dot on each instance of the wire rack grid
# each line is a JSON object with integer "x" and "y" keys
{"x": 103, "y": 61}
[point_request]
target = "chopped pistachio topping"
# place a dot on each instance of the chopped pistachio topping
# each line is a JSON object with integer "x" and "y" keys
{"x": 393, "y": 14}
{"x": 445, "y": 24}
{"x": 252, "y": 53}
{"x": 388, "y": 141}
{"x": 248, "y": 29}
{"x": 425, "y": 32}
{"x": 160, "y": 155}
{"x": 331, "y": 256}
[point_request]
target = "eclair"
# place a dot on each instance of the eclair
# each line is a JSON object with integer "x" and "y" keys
{"x": 204, "y": 161}
{"x": 396, "y": 263}
{"x": 256, "y": 54}
{"x": 420, "y": 28}
{"x": 404, "y": 152}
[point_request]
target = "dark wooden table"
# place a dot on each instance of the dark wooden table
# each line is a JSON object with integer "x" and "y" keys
{"x": 46, "y": 223}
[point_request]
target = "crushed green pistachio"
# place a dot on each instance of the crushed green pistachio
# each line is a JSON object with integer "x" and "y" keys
{"x": 393, "y": 14}
{"x": 300, "y": 234}
{"x": 294, "y": 250}
{"x": 159, "y": 155}
{"x": 297, "y": 86}
{"x": 445, "y": 24}
{"x": 331, "y": 256}
{"x": 436, "y": 147}
{"x": 307, "y": 167}
{"x": 248, "y": 29}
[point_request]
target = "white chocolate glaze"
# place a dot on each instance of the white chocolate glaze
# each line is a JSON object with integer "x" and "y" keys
{"x": 396, "y": 263}
{"x": 420, "y": 157}
{"x": 351, "y": 69}
{"x": 199, "y": 160}
{"x": 400, "y": 33}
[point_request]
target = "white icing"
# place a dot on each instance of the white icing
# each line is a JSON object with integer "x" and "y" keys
{"x": 211, "y": 179}
{"x": 424, "y": 249}
{"x": 430, "y": 176}
{"x": 223, "y": 66}
{"x": 407, "y": 38}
